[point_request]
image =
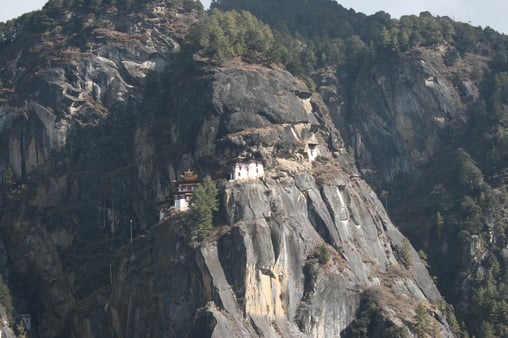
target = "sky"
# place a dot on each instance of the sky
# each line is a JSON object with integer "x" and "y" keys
{"x": 476, "y": 12}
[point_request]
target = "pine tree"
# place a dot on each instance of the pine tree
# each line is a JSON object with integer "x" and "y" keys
{"x": 404, "y": 253}
{"x": 202, "y": 206}
{"x": 324, "y": 254}
{"x": 421, "y": 321}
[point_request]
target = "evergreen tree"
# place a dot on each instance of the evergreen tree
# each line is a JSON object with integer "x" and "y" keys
{"x": 404, "y": 253}
{"x": 324, "y": 254}
{"x": 421, "y": 321}
{"x": 202, "y": 206}
{"x": 470, "y": 177}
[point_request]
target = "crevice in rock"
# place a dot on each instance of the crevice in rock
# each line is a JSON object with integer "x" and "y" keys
{"x": 233, "y": 258}
{"x": 317, "y": 222}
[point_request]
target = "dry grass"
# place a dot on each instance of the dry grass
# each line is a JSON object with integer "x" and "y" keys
{"x": 397, "y": 271}
{"x": 326, "y": 172}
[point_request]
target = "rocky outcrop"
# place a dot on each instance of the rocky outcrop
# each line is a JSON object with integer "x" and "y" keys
{"x": 5, "y": 329}
{"x": 96, "y": 136}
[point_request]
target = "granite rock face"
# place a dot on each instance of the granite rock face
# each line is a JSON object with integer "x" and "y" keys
{"x": 396, "y": 113}
{"x": 95, "y": 139}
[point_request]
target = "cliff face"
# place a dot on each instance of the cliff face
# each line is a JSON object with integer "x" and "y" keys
{"x": 397, "y": 113}
{"x": 95, "y": 131}
{"x": 405, "y": 118}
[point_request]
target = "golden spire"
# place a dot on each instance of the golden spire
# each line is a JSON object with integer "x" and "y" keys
{"x": 189, "y": 176}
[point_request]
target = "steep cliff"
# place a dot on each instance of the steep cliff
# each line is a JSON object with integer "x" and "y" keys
{"x": 101, "y": 113}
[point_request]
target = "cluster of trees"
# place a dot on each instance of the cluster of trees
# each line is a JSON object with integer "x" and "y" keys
{"x": 223, "y": 35}
{"x": 486, "y": 312}
{"x": 328, "y": 34}
{"x": 220, "y": 36}
{"x": 461, "y": 206}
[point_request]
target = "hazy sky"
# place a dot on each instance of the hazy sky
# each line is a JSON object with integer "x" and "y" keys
{"x": 477, "y": 12}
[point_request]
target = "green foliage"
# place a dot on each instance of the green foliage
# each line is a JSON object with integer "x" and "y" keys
{"x": 202, "y": 205}
{"x": 6, "y": 299}
{"x": 351, "y": 152}
{"x": 370, "y": 322}
{"x": 470, "y": 215}
{"x": 488, "y": 315}
{"x": 325, "y": 27}
{"x": 470, "y": 177}
{"x": 396, "y": 332}
{"x": 324, "y": 254}
{"x": 422, "y": 321}
{"x": 451, "y": 319}
{"x": 423, "y": 258}
{"x": 223, "y": 35}
{"x": 368, "y": 316}
{"x": 404, "y": 253}
{"x": 462, "y": 209}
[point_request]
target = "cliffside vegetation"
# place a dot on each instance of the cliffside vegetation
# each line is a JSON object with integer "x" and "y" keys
{"x": 202, "y": 206}
{"x": 223, "y": 35}
{"x": 331, "y": 35}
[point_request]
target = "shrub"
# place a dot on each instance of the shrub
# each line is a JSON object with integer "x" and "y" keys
{"x": 324, "y": 254}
